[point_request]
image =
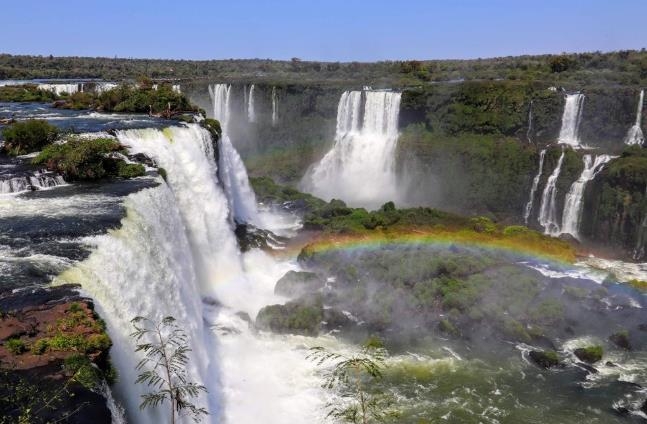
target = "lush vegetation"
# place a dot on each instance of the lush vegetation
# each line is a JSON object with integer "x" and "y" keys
{"x": 28, "y": 136}
{"x": 25, "y": 93}
{"x": 621, "y": 67}
{"x": 87, "y": 159}
{"x": 616, "y": 202}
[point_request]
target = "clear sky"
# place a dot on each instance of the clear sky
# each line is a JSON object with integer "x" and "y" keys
{"x": 329, "y": 30}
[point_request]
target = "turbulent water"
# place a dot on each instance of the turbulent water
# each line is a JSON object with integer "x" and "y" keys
{"x": 548, "y": 209}
{"x": 360, "y": 167}
{"x": 574, "y": 201}
{"x": 535, "y": 184}
{"x": 571, "y": 118}
{"x": 177, "y": 256}
{"x": 635, "y": 134}
{"x": 61, "y": 88}
{"x": 30, "y": 182}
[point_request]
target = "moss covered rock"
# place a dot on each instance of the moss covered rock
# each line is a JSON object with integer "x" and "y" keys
{"x": 589, "y": 354}
{"x": 544, "y": 358}
{"x": 298, "y": 283}
{"x": 302, "y": 316}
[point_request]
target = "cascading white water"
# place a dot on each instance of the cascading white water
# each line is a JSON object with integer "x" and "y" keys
{"x": 275, "y": 107}
{"x": 219, "y": 94}
{"x": 571, "y": 119}
{"x": 146, "y": 268}
{"x": 60, "y": 88}
{"x": 176, "y": 88}
{"x": 175, "y": 249}
{"x": 36, "y": 181}
{"x": 533, "y": 189}
{"x": 232, "y": 171}
{"x": 233, "y": 174}
{"x": 360, "y": 168}
{"x": 251, "y": 111}
{"x": 575, "y": 197}
{"x": 548, "y": 209}
{"x": 635, "y": 134}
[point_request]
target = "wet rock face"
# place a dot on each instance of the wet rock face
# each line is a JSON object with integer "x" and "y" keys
{"x": 295, "y": 283}
{"x": 544, "y": 358}
{"x": 53, "y": 357}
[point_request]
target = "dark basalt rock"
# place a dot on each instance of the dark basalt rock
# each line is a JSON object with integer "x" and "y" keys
{"x": 143, "y": 159}
{"x": 301, "y": 316}
{"x": 544, "y": 358}
{"x": 621, "y": 339}
{"x": 251, "y": 237}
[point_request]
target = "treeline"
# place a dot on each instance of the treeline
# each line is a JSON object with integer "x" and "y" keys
{"x": 627, "y": 67}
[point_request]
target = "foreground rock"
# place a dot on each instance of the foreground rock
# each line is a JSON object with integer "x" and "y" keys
{"x": 53, "y": 358}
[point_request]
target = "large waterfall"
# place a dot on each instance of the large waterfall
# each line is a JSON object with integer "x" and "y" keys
{"x": 574, "y": 201}
{"x": 233, "y": 173}
{"x": 571, "y": 118}
{"x": 251, "y": 111}
{"x": 176, "y": 254}
{"x": 548, "y": 209}
{"x": 360, "y": 168}
{"x": 535, "y": 184}
{"x": 635, "y": 134}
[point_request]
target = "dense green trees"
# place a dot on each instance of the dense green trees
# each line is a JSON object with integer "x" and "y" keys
{"x": 28, "y": 136}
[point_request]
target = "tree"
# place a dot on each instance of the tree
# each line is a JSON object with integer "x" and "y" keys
{"x": 355, "y": 377}
{"x": 163, "y": 368}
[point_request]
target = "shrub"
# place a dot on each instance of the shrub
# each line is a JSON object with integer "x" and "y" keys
{"x": 28, "y": 136}
{"x": 83, "y": 371}
{"x": 481, "y": 224}
{"x": 589, "y": 354}
{"x": 15, "y": 346}
{"x": 39, "y": 347}
{"x": 79, "y": 159}
{"x": 130, "y": 170}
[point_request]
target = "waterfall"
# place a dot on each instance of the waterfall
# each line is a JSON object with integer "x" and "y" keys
{"x": 575, "y": 197}
{"x": 529, "y": 123}
{"x": 176, "y": 254}
{"x": 533, "y": 189}
{"x": 220, "y": 99}
{"x": 275, "y": 107}
{"x": 36, "y": 181}
{"x": 146, "y": 268}
{"x": 571, "y": 118}
{"x": 232, "y": 171}
{"x": 641, "y": 240}
{"x": 251, "y": 112}
{"x": 360, "y": 167}
{"x": 548, "y": 209}
{"x": 635, "y": 133}
{"x": 60, "y": 88}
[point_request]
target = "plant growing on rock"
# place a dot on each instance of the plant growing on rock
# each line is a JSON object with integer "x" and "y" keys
{"x": 163, "y": 368}
{"x": 356, "y": 378}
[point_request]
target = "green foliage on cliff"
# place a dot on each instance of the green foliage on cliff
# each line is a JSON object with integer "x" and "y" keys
{"x": 28, "y": 136}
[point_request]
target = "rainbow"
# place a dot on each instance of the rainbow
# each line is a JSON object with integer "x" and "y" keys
{"x": 531, "y": 245}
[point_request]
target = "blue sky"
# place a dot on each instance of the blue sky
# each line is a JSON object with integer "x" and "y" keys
{"x": 330, "y": 30}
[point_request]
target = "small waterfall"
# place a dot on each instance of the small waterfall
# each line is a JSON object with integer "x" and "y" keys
{"x": 571, "y": 118}
{"x": 529, "y": 122}
{"x": 533, "y": 189}
{"x": 176, "y": 88}
{"x": 102, "y": 87}
{"x": 251, "y": 112}
{"x": 360, "y": 168}
{"x": 574, "y": 201}
{"x": 232, "y": 171}
{"x": 275, "y": 107}
{"x": 60, "y": 88}
{"x": 220, "y": 99}
{"x": 548, "y": 209}
{"x": 635, "y": 134}
{"x": 35, "y": 181}
{"x": 641, "y": 241}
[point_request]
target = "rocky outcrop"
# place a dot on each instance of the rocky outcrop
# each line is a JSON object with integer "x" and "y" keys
{"x": 53, "y": 357}
{"x": 298, "y": 283}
